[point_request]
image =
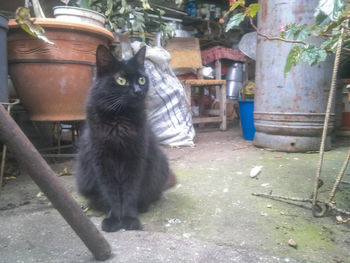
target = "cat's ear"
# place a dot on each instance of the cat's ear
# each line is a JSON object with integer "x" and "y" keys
{"x": 140, "y": 56}
{"x": 104, "y": 59}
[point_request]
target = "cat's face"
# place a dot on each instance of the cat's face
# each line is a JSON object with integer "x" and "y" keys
{"x": 121, "y": 84}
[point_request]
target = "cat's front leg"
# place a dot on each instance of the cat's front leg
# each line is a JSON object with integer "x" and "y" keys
{"x": 111, "y": 223}
{"x": 111, "y": 195}
{"x": 130, "y": 220}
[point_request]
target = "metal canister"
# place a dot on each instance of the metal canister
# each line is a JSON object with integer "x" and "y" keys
{"x": 289, "y": 111}
{"x": 234, "y": 80}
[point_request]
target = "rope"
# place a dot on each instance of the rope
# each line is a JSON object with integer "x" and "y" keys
{"x": 317, "y": 211}
{"x": 339, "y": 177}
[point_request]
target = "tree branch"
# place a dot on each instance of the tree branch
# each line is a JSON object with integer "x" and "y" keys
{"x": 275, "y": 38}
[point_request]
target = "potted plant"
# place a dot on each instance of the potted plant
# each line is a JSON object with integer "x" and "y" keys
{"x": 133, "y": 19}
{"x": 52, "y": 77}
{"x": 79, "y": 11}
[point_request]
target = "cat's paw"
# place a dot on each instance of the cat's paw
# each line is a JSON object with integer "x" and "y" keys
{"x": 131, "y": 223}
{"x": 111, "y": 224}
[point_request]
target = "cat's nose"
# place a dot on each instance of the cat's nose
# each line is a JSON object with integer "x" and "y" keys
{"x": 137, "y": 90}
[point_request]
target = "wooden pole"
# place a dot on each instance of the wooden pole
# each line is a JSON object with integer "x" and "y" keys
{"x": 51, "y": 186}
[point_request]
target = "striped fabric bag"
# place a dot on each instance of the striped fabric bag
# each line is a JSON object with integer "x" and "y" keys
{"x": 167, "y": 110}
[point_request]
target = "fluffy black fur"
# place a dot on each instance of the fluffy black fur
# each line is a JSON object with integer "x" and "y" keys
{"x": 120, "y": 165}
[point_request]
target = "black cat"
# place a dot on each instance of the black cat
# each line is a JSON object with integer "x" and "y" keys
{"x": 120, "y": 165}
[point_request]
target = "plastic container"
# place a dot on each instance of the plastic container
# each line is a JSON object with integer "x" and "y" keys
{"x": 246, "y": 109}
{"x": 191, "y": 8}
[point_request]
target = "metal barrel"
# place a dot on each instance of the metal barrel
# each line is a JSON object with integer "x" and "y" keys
{"x": 289, "y": 111}
{"x": 3, "y": 59}
{"x": 234, "y": 80}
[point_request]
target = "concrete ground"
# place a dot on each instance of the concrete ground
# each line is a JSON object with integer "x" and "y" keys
{"x": 210, "y": 216}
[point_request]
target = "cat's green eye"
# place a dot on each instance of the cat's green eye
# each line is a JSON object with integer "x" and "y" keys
{"x": 121, "y": 81}
{"x": 142, "y": 80}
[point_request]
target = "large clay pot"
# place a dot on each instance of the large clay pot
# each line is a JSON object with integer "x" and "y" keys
{"x": 53, "y": 81}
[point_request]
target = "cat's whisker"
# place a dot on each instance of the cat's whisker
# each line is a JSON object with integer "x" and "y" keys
{"x": 114, "y": 104}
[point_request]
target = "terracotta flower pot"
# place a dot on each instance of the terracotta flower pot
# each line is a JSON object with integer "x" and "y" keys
{"x": 53, "y": 81}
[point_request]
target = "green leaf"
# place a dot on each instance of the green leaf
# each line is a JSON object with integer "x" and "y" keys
{"x": 85, "y": 4}
{"x": 290, "y": 31}
{"x": 313, "y": 55}
{"x": 145, "y": 4}
{"x": 302, "y": 33}
{"x": 253, "y": 9}
{"x": 236, "y": 4}
{"x": 23, "y": 19}
{"x": 234, "y": 21}
{"x": 110, "y": 6}
{"x": 330, "y": 44}
{"x": 293, "y": 58}
{"x": 328, "y": 10}
{"x": 296, "y": 32}
{"x": 66, "y": 2}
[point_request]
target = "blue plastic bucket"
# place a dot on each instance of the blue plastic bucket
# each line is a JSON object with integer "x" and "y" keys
{"x": 191, "y": 8}
{"x": 246, "y": 109}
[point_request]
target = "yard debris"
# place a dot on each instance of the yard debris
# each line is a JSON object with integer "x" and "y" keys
{"x": 10, "y": 178}
{"x": 338, "y": 260}
{"x": 64, "y": 172}
{"x": 340, "y": 220}
{"x": 307, "y": 200}
{"x": 292, "y": 243}
{"x": 255, "y": 171}
{"x": 174, "y": 221}
{"x": 186, "y": 235}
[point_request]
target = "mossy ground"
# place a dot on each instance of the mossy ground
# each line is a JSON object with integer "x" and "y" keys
{"x": 213, "y": 199}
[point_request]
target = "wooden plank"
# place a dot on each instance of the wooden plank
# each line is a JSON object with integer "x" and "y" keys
{"x": 181, "y": 43}
{"x": 206, "y": 119}
{"x": 185, "y": 58}
{"x": 188, "y": 95}
{"x": 206, "y": 82}
{"x": 223, "y": 107}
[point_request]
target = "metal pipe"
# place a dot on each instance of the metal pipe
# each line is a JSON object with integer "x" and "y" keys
{"x": 51, "y": 186}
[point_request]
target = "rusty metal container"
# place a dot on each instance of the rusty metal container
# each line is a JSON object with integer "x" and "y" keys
{"x": 289, "y": 111}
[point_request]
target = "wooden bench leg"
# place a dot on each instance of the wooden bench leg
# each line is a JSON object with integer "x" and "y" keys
{"x": 223, "y": 125}
{"x": 188, "y": 96}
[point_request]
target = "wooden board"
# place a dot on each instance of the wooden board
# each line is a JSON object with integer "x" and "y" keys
{"x": 185, "y": 52}
{"x": 206, "y": 119}
{"x": 183, "y": 43}
{"x": 205, "y": 82}
{"x": 185, "y": 59}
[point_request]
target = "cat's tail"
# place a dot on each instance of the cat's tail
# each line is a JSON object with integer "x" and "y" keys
{"x": 171, "y": 182}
